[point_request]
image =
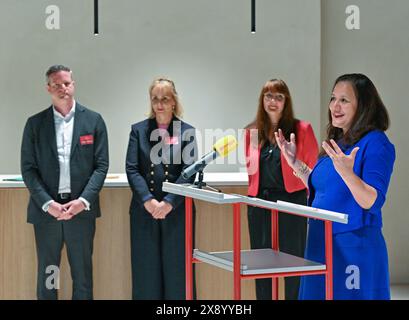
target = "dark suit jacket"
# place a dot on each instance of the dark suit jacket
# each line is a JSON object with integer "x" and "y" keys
{"x": 40, "y": 167}
{"x": 145, "y": 174}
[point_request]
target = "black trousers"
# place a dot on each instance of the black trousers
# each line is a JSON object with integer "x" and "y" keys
{"x": 158, "y": 255}
{"x": 292, "y": 238}
{"x": 78, "y": 236}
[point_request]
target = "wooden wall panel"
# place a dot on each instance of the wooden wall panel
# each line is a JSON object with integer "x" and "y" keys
{"x": 112, "y": 263}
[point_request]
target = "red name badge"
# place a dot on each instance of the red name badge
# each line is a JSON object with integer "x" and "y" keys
{"x": 171, "y": 140}
{"x": 88, "y": 139}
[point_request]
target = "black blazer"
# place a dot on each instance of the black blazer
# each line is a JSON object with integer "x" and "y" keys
{"x": 88, "y": 163}
{"x": 146, "y": 173}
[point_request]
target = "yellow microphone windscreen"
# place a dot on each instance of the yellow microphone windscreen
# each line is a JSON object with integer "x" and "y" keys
{"x": 225, "y": 145}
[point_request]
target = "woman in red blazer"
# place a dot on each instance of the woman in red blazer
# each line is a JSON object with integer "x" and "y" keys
{"x": 271, "y": 178}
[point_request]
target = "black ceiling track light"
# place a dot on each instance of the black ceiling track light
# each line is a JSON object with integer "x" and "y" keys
{"x": 253, "y": 16}
{"x": 96, "y": 31}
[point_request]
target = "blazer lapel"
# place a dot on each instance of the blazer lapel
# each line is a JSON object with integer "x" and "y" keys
{"x": 49, "y": 131}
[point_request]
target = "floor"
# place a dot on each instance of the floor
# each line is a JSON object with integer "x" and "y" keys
{"x": 400, "y": 292}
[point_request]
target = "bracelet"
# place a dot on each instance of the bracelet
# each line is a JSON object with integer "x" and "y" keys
{"x": 304, "y": 169}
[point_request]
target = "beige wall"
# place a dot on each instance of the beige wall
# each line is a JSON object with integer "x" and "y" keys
{"x": 206, "y": 46}
{"x": 380, "y": 49}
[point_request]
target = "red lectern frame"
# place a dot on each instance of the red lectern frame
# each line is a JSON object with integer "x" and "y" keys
{"x": 237, "y": 276}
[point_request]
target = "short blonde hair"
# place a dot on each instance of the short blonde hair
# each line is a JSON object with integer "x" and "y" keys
{"x": 178, "y": 110}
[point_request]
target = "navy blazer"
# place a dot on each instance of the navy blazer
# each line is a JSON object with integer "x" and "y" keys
{"x": 41, "y": 170}
{"x": 374, "y": 165}
{"x": 152, "y": 159}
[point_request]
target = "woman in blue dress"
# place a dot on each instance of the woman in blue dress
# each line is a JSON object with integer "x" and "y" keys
{"x": 352, "y": 176}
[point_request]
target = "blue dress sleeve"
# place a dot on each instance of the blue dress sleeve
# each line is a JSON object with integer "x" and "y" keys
{"x": 377, "y": 170}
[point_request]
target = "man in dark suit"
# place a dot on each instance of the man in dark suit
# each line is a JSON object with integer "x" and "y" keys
{"x": 64, "y": 162}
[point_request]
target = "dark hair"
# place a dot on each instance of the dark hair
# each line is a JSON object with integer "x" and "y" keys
{"x": 54, "y": 69}
{"x": 287, "y": 122}
{"x": 371, "y": 113}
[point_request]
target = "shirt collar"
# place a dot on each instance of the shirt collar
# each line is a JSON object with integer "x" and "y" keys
{"x": 68, "y": 116}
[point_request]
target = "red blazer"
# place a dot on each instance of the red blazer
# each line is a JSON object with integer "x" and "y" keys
{"x": 307, "y": 151}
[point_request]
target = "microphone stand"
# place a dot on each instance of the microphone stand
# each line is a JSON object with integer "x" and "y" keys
{"x": 200, "y": 184}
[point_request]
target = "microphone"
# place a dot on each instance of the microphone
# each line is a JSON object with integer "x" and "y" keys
{"x": 222, "y": 147}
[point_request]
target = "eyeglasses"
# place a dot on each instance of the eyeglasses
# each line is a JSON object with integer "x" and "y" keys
{"x": 57, "y": 86}
{"x": 277, "y": 97}
{"x": 164, "y": 100}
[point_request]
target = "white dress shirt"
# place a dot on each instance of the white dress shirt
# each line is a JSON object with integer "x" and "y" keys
{"x": 64, "y": 127}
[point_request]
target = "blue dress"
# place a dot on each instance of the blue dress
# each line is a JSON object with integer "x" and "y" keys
{"x": 360, "y": 258}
